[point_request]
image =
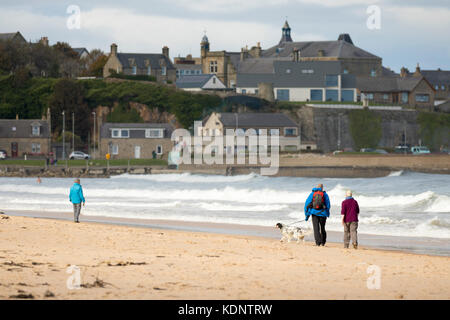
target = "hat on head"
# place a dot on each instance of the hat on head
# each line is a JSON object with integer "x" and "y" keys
{"x": 349, "y": 193}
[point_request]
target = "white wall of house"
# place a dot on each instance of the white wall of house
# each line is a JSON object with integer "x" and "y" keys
{"x": 214, "y": 83}
{"x": 298, "y": 94}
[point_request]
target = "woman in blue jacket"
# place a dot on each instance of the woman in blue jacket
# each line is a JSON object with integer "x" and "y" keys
{"x": 318, "y": 205}
{"x": 76, "y": 197}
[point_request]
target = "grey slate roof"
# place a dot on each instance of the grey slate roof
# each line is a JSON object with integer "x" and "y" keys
{"x": 185, "y": 66}
{"x": 107, "y": 126}
{"x": 193, "y": 81}
{"x": 140, "y": 60}
{"x": 13, "y": 35}
{"x": 23, "y": 128}
{"x": 387, "y": 84}
{"x": 437, "y": 77}
{"x": 338, "y": 48}
{"x": 296, "y": 78}
{"x": 256, "y": 120}
{"x": 80, "y": 51}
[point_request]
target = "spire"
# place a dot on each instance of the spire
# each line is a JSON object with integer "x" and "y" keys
{"x": 286, "y": 33}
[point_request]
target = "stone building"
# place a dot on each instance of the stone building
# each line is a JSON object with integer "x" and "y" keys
{"x": 13, "y": 36}
{"x": 20, "y": 137}
{"x": 150, "y": 64}
{"x": 440, "y": 80}
{"x": 216, "y": 125}
{"x": 403, "y": 89}
{"x": 135, "y": 140}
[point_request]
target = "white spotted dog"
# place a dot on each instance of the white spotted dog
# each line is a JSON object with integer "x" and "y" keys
{"x": 291, "y": 232}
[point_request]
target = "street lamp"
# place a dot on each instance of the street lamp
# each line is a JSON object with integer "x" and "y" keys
{"x": 63, "y": 136}
{"x": 94, "y": 132}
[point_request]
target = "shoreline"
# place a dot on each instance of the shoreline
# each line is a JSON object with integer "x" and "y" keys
{"x": 413, "y": 245}
{"x": 38, "y": 258}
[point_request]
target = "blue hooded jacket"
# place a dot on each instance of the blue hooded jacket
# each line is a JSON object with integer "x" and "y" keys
{"x": 76, "y": 194}
{"x": 321, "y": 213}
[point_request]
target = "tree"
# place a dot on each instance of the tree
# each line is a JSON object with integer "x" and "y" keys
{"x": 365, "y": 128}
{"x": 69, "y": 64}
{"x": 68, "y": 96}
{"x": 13, "y": 55}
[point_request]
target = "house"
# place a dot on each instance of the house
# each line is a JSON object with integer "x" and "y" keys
{"x": 200, "y": 82}
{"x": 150, "y": 64}
{"x": 216, "y": 125}
{"x": 403, "y": 89}
{"x": 187, "y": 66}
{"x": 294, "y": 80}
{"x": 14, "y": 36}
{"x": 440, "y": 80}
{"x": 82, "y": 52}
{"x": 20, "y": 137}
{"x": 135, "y": 140}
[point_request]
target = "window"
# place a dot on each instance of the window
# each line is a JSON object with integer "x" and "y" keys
{"x": 288, "y": 71}
{"x": 36, "y": 148}
{"x": 437, "y": 87}
{"x": 369, "y": 96}
{"x": 256, "y": 91}
{"x": 274, "y": 132}
{"x": 115, "y": 133}
{"x": 347, "y": 95}
{"x": 35, "y": 130}
{"x": 420, "y": 97}
{"x": 373, "y": 73}
{"x": 149, "y": 70}
{"x": 331, "y": 95}
{"x": 442, "y": 87}
{"x": 124, "y": 133}
{"x": 213, "y": 67}
{"x": 306, "y": 71}
{"x": 290, "y": 131}
{"x": 159, "y": 149}
{"x": 345, "y": 71}
{"x": 115, "y": 149}
{"x": 134, "y": 70}
{"x": 331, "y": 80}
{"x": 153, "y": 133}
{"x": 404, "y": 97}
{"x": 214, "y": 80}
{"x": 385, "y": 96}
{"x": 316, "y": 95}
{"x": 283, "y": 94}
{"x": 163, "y": 70}
{"x": 244, "y": 91}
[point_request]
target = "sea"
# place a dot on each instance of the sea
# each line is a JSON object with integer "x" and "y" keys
{"x": 404, "y": 204}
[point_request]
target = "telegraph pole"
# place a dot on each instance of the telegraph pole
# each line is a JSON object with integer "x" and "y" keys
{"x": 94, "y": 134}
{"x": 73, "y": 132}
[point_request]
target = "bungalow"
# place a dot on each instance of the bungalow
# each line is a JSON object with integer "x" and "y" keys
{"x": 296, "y": 80}
{"x": 150, "y": 64}
{"x": 216, "y": 124}
{"x": 20, "y": 137}
{"x": 200, "y": 82}
{"x": 135, "y": 140}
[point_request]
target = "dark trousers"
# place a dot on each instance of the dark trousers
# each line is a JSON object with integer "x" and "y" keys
{"x": 320, "y": 234}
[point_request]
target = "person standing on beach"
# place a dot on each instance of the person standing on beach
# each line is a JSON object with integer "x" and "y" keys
{"x": 349, "y": 212}
{"x": 318, "y": 206}
{"x": 76, "y": 197}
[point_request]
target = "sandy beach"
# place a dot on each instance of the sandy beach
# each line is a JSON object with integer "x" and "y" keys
{"x": 123, "y": 262}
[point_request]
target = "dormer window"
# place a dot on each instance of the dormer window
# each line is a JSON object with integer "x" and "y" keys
{"x": 35, "y": 130}
{"x": 134, "y": 70}
{"x": 373, "y": 73}
{"x": 149, "y": 70}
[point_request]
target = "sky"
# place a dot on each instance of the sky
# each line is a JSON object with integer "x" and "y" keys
{"x": 407, "y": 31}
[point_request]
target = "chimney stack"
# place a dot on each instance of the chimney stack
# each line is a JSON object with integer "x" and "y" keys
{"x": 44, "y": 41}
{"x": 404, "y": 72}
{"x": 165, "y": 51}
{"x": 417, "y": 73}
{"x": 296, "y": 53}
{"x": 114, "y": 49}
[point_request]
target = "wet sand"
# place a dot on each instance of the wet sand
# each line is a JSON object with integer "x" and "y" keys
{"x": 130, "y": 262}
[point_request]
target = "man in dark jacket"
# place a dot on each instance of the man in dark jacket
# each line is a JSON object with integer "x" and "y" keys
{"x": 350, "y": 211}
{"x": 318, "y": 206}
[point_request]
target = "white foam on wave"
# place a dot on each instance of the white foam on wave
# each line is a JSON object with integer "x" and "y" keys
{"x": 215, "y": 206}
{"x": 396, "y": 173}
{"x": 188, "y": 178}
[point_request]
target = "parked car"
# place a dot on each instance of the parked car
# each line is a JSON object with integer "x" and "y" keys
{"x": 79, "y": 155}
{"x": 3, "y": 154}
{"x": 367, "y": 150}
{"x": 402, "y": 149}
{"x": 420, "y": 150}
{"x": 381, "y": 151}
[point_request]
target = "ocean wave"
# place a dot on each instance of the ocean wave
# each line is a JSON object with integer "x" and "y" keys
{"x": 396, "y": 173}
{"x": 188, "y": 177}
{"x": 215, "y": 206}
